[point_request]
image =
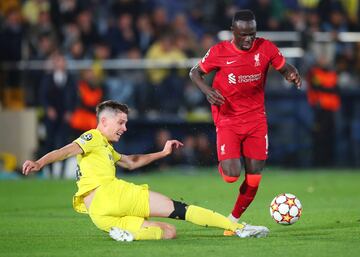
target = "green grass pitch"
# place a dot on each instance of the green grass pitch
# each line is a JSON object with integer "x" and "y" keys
{"x": 36, "y": 217}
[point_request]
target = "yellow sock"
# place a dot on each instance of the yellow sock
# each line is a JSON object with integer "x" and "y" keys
{"x": 149, "y": 233}
{"x": 207, "y": 218}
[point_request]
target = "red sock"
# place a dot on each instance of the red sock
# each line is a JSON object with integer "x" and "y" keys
{"x": 247, "y": 194}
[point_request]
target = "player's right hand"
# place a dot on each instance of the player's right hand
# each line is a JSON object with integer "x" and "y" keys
{"x": 30, "y": 166}
{"x": 214, "y": 97}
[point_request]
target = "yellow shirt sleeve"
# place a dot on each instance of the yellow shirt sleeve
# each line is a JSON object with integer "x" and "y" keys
{"x": 87, "y": 141}
{"x": 116, "y": 156}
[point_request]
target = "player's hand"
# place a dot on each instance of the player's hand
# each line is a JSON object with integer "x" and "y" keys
{"x": 295, "y": 78}
{"x": 214, "y": 97}
{"x": 30, "y": 166}
{"x": 291, "y": 74}
{"x": 170, "y": 145}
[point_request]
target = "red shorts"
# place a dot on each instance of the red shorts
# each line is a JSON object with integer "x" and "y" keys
{"x": 250, "y": 141}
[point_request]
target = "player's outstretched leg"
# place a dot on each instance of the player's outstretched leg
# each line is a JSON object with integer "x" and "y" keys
{"x": 208, "y": 218}
{"x": 162, "y": 206}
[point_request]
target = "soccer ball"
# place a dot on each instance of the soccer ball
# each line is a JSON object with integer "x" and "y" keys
{"x": 285, "y": 209}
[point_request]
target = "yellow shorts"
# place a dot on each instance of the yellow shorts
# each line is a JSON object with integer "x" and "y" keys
{"x": 121, "y": 204}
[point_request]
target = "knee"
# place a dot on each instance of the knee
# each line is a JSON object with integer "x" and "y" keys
{"x": 255, "y": 169}
{"x": 230, "y": 169}
{"x": 229, "y": 173}
{"x": 169, "y": 231}
{"x": 253, "y": 166}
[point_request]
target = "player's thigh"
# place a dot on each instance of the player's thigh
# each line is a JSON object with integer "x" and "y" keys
{"x": 169, "y": 231}
{"x": 120, "y": 198}
{"x": 160, "y": 205}
{"x": 227, "y": 144}
{"x": 255, "y": 145}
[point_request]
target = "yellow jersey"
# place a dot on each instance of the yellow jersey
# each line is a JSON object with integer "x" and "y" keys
{"x": 96, "y": 165}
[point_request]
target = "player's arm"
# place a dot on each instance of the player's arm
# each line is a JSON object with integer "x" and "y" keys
{"x": 139, "y": 160}
{"x": 291, "y": 74}
{"x": 53, "y": 156}
{"x": 212, "y": 95}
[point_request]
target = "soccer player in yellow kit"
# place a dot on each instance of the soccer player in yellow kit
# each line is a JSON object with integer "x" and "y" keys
{"x": 117, "y": 206}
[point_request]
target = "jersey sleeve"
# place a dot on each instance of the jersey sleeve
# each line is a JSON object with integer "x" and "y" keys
{"x": 208, "y": 63}
{"x": 87, "y": 141}
{"x": 277, "y": 60}
{"x": 116, "y": 156}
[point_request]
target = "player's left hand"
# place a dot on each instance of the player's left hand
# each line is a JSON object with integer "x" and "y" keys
{"x": 294, "y": 77}
{"x": 291, "y": 74}
{"x": 170, "y": 145}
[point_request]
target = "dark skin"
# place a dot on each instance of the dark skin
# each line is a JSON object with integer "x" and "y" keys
{"x": 244, "y": 34}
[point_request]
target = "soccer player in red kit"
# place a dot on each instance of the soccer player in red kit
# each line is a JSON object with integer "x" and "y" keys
{"x": 237, "y": 102}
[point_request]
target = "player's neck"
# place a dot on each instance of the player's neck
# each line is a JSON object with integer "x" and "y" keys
{"x": 102, "y": 131}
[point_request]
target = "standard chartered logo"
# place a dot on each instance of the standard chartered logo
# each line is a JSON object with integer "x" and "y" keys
{"x": 249, "y": 78}
{"x": 232, "y": 78}
{"x": 243, "y": 78}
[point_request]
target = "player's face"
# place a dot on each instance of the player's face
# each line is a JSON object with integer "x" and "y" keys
{"x": 116, "y": 126}
{"x": 244, "y": 34}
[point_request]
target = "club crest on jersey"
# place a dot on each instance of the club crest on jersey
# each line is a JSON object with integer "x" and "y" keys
{"x": 257, "y": 59}
{"x": 87, "y": 137}
{"x": 222, "y": 149}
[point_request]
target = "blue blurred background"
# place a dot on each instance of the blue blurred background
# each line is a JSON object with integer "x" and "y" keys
{"x": 59, "y": 58}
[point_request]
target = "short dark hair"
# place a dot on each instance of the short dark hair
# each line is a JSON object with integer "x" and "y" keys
{"x": 112, "y": 106}
{"x": 243, "y": 15}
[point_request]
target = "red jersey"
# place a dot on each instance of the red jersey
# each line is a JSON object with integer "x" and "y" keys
{"x": 240, "y": 78}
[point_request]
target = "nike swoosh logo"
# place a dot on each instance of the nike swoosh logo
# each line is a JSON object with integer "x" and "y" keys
{"x": 230, "y": 62}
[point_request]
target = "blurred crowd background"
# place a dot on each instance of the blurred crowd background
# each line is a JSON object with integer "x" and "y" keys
{"x": 62, "y": 57}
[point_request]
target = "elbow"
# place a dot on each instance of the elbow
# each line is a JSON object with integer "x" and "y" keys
{"x": 133, "y": 162}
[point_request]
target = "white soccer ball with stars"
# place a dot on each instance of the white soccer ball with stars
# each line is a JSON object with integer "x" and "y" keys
{"x": 285, "y": 209}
